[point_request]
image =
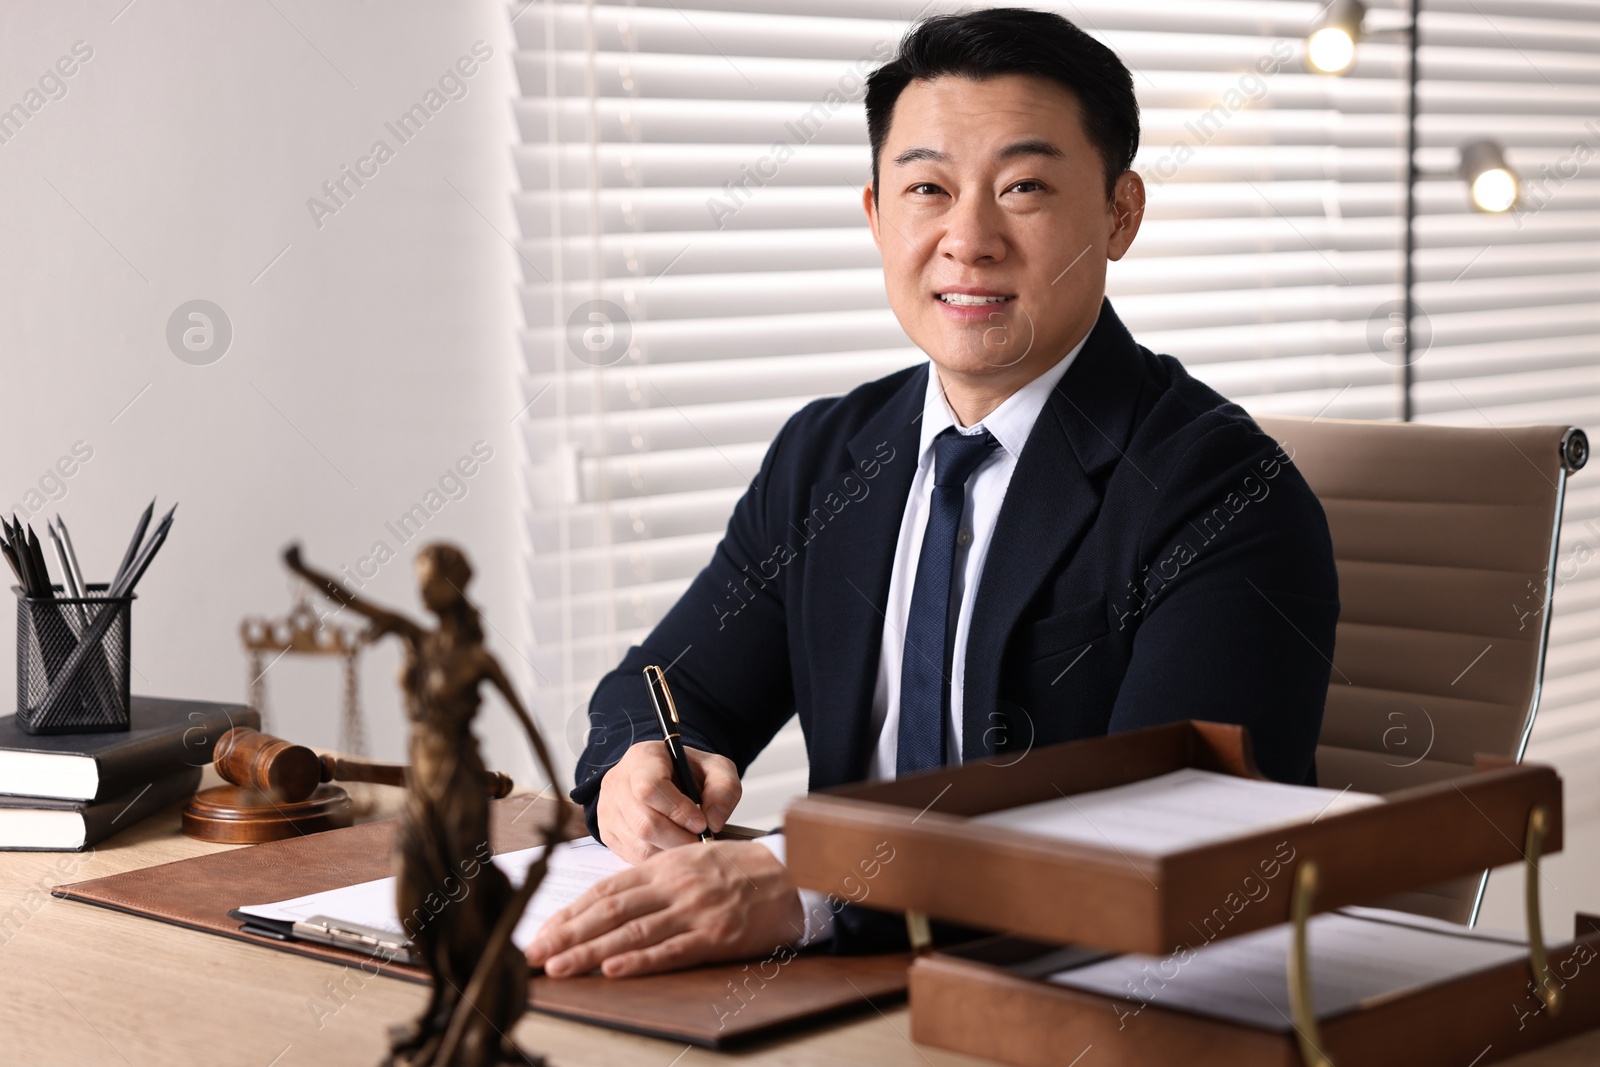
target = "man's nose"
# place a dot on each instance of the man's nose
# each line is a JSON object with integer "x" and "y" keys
{"x": 973, "y": 231}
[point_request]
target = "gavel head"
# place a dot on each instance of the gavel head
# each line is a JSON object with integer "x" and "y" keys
{"x": 256, "y": 760}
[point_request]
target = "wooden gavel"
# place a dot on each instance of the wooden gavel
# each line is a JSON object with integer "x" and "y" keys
{"x": 277, "y": 790}
{"x": 289, "y": 772}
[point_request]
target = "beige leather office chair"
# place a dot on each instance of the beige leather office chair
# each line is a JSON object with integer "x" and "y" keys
{"x": 1446, "y": 541}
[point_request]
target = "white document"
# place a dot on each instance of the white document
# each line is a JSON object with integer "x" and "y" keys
{"x": 1358, "y": 956}
{"x": 576, "y": 866}
{"x": 1176, "y": 811}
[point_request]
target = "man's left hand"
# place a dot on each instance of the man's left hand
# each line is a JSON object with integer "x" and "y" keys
{"x": 698, "y": 903}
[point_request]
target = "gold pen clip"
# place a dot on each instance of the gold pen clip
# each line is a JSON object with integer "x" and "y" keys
{"x": 670, "y": 712}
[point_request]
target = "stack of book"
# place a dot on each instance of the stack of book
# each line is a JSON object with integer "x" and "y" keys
{"x": 67, "y": 792}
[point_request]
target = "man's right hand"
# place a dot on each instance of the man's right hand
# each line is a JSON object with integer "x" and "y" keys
{"x": 641, "y": 812}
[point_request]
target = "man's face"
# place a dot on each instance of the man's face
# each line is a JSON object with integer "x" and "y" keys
{"x": 994, "y": 225}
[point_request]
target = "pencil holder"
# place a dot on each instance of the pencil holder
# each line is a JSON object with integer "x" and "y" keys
{"x": 73, "y": 661}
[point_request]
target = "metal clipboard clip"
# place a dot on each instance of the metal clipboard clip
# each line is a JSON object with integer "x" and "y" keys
{"x": 340, "y": 933}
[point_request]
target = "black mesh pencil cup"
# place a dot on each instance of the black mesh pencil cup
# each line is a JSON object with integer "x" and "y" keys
{"x": 74, "y": 656}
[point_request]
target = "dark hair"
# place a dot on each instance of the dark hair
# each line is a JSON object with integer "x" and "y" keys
{"x": 1010, "y": 40}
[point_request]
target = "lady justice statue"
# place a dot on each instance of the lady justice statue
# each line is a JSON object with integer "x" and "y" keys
{"x": 480, "y": 979}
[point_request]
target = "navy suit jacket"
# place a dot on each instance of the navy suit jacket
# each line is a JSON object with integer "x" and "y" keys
{"x": 1156, "y": 558}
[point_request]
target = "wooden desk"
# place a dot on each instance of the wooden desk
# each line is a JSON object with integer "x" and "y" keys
{"x": 82, "y": 985}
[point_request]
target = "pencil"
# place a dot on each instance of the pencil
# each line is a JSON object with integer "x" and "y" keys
{"x": 134, "y": 545}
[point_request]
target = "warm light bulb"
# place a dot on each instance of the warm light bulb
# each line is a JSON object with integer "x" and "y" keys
{"x": 1331, "y": 50}
{"x": 1495, "y": 190}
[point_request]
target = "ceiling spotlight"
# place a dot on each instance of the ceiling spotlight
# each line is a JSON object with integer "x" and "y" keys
{"x": 1491, "y": 183}
{"x": 1331, "y": 47}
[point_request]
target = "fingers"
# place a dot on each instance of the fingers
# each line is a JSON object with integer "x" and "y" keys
{"x": 626, "y": 912}
{"x": 613, "y": 886}
{"x": 560, "y": 932}
{"x": 727, "y": 900}
{"x": 681, "y": 950}
{"x": 641, "y": 811}
{"x": 664, "y": 797}
{"x": 650, "y": 830}
{"x": 719, "y": 786}
{"x": 635, "y": 934}
{"x": 640, "y": 834}
{"x": 630, "y": 826}
{"x": 578, "y": 942}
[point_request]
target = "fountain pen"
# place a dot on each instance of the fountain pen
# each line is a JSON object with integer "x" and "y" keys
{"x": 655, "y": 679}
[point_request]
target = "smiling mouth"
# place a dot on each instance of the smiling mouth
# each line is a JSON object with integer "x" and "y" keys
{"x": 968, "y": 300}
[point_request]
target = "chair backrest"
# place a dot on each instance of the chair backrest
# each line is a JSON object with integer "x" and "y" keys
{"x": 1445, "y": 540}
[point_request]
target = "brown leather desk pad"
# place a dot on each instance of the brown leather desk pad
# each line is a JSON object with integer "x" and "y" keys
{"x": 698, "y": 1006}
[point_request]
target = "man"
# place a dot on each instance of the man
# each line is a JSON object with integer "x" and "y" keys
{"x": 1044, "y": 533}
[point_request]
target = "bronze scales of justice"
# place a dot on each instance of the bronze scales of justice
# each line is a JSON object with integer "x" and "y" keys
{"x": 303, "y": 632}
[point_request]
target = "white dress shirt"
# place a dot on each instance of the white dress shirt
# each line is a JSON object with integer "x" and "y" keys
{"x": 1011, "y": 423}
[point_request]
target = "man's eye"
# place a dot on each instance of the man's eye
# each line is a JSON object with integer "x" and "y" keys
{"x": 925, "y": 189}
{"x": 1027, "y": 186}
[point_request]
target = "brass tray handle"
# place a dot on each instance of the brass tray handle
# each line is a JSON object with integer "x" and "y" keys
{"x": 1303, "y": 1014}
{"x": 1544, "y": 983}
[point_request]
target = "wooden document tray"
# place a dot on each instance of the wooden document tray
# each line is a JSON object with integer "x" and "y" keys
{"x": 988, "y": 1000}
{"x": 1057, "y": 892}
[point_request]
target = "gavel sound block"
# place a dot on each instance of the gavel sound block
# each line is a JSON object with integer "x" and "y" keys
{"x": 280, "y": 790}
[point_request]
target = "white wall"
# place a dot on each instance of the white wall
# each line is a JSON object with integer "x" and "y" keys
{"x": 364, "y": 361}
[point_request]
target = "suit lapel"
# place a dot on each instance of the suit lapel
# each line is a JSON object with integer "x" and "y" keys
{"x": 847, "y": 584}
{"x": 1052, "y": 498}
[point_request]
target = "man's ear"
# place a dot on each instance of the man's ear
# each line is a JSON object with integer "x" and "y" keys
{"x": 869, "y": 204}
{"x": 1127, "y": 211}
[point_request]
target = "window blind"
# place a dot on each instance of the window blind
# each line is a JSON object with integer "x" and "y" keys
{"x": 696, "y": 267}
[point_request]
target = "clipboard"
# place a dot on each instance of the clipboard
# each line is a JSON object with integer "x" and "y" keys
{"x": 713, "y": 1007}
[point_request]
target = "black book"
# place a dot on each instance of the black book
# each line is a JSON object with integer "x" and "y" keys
{"x": 163, "y": 738}
{"x": 30, "y": 824}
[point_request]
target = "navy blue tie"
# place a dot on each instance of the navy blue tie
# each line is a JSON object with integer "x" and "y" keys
{"x": 925, "y": 659}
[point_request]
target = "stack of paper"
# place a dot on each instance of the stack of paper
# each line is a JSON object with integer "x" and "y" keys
{"x": 575, "y": 867}
{"x": 1359, "y": 956}
{"x": 1176, "y": 811}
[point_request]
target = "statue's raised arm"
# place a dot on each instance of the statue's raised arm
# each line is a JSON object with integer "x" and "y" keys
{"x": 384, "y": 621}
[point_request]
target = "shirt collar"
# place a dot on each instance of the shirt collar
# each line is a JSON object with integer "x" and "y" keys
{"x": 1011, "y": 422}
